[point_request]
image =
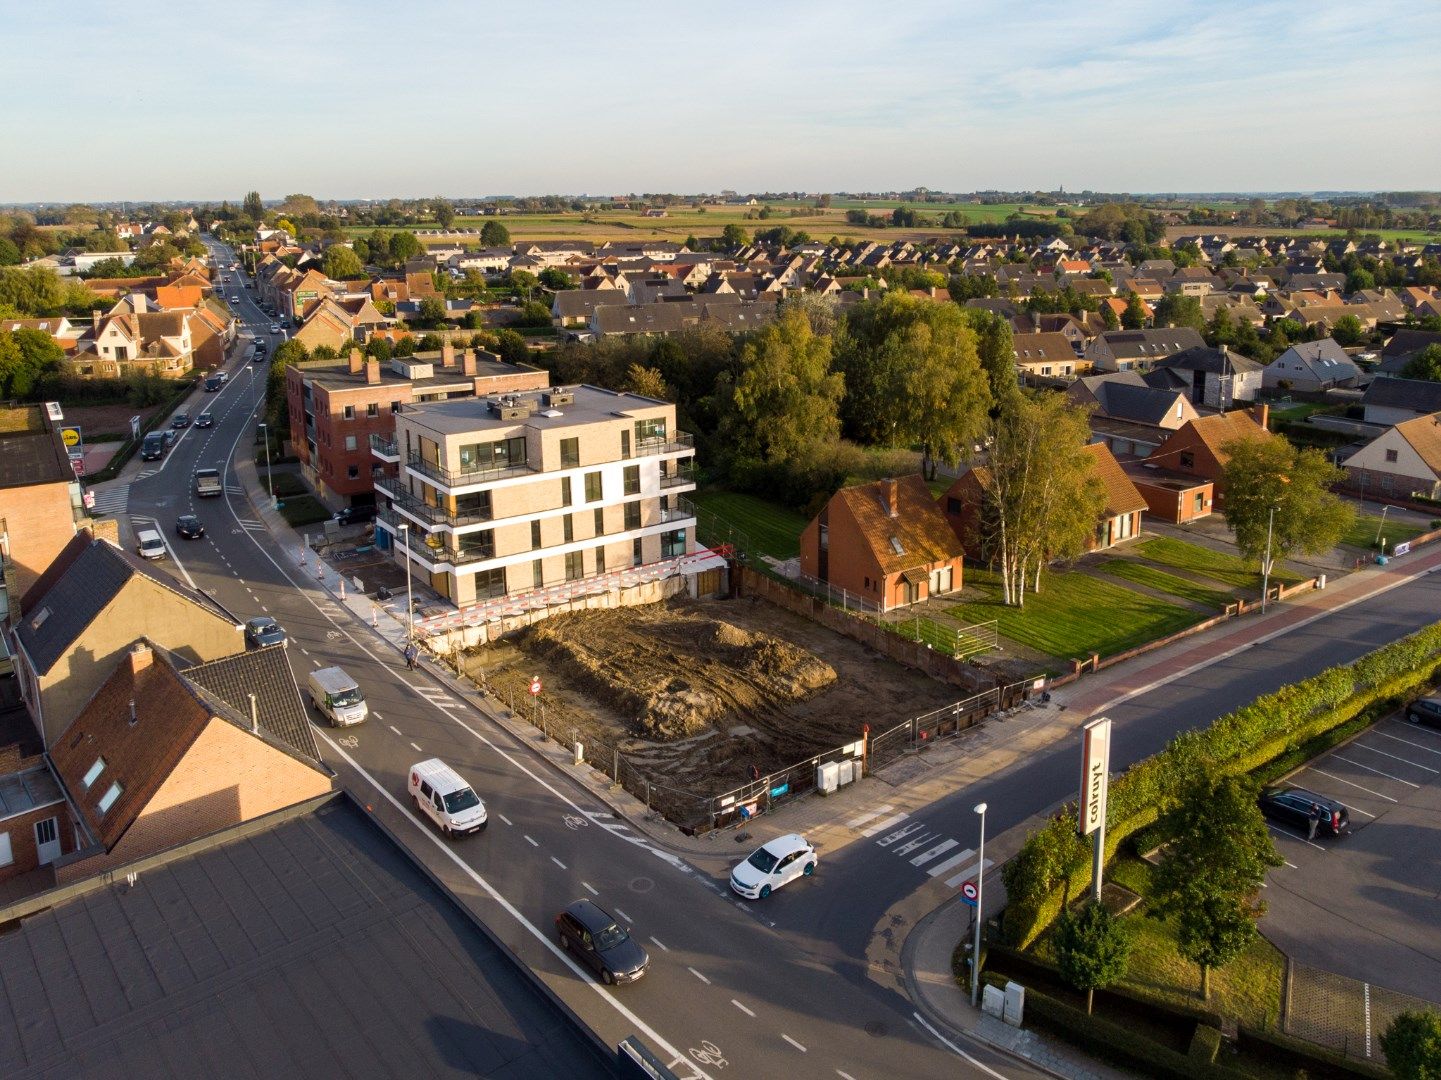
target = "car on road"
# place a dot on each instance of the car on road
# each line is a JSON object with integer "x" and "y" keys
{"x": 262, "y": 631}
{"x": 153, "y": 446}
{"x": 188, "y": 526}
{"x": 169, "y": 436}
{"x": 1426, "y": 710}
{"x": 587, "y": 932}
{"x": 205, "y": 419}
{"x": 441, "y": 794}
{"x": 213, "y": 385}
{"x": 772, "y": 865}
{"x": 275, "y": 328}
{"x": 182, "y": 420}
{"x": 1293, "y": 806}
{"x": 149, "y": 544}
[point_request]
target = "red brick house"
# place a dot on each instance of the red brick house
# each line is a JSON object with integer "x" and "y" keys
{"x": 1195, "y": 449}
{"x": 887, "y": 542}
{"x": 35, "y": 824}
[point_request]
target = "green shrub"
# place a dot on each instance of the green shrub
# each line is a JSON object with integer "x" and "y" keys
{"x": 1205, "y": 1044}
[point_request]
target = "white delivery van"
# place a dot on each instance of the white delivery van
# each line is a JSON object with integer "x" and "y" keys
{"x": 149, "y": 544}
{"x": 441, "y": 795}
{"x": 338, "y": 696}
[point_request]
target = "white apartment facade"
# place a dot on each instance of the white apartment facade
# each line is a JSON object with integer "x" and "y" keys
{"x": 503, "y": 495}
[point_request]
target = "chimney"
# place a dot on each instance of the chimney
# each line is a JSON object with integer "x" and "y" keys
{"x": 140, "y": 657}
{"x": 372, "y": 372}
{"x": 893, "y": 501}
{"x": 447, "y": 355}
{"x": 356, "y": 363}
{"x": 1261, "y": 413}
{"x": 468, "y": 362}
{"x": 254, "y": 715}
{"x": 95, "y": 321}
{"x": 139, "y": 303}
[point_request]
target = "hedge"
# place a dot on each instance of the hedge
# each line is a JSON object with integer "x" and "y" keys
{"x": 1054, "y": 863}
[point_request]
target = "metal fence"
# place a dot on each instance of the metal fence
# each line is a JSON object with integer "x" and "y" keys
{"x": 831, "y": 594}
{"x": 766, "y": 792}
{"x": 960, "y": 642}
{"x": 946, "y": 721}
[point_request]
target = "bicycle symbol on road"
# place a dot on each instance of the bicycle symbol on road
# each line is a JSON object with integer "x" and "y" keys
{"x": 574, "y": 822}
{"x": 350, "y": 742}
{"x": 708, "y": 1054}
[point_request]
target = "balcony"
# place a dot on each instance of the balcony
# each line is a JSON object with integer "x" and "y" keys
{"x": 678, "y": 478}
{"x": 435, "y": 553}
{"x": 384, "y": 448}
{"x": 424, "y": 512}
{"x": 674, "y": 442}
{"x": 459, "y": 478}
{"x": 683, "y": 510}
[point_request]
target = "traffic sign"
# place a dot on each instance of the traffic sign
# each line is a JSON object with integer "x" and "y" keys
{"x": 70, "y": 436}
{"x": 970, "y": 893}
{"x": 535, "y": 684}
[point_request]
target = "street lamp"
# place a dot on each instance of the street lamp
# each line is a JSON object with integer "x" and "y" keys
{"x": 409, "y": 604}
{"x": 980, "y": 809}
{"x": 269, "y": 482}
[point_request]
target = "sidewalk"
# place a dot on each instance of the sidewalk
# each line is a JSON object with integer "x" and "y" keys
{"x": 924, "y": 960}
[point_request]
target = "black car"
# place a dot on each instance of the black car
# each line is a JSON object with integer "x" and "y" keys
{"x": 1294, "y": 806}
{"x": 205, "y": 419}
{"x": 188, "y": 526}
{"x": 354, "y": 515}
{"x": 262, "y": 631}
{"x": 182, "y": 420}
{"x": 1426, "y": 710}
{"x": 587, "y": 932}
{"x": 213, "y": 384}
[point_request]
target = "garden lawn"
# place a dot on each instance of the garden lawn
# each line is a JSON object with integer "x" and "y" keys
{"x": 1143, "y": 574}
{"x": 768, "y": 528}
{"x": 1231, "y": 569}
{"x": 1362, "y": 533}
{"x": 1074, "y": 615}
{"x": 304, "y": 510}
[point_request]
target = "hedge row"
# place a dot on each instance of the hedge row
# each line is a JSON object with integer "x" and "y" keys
{"x": 1054, "y": 863}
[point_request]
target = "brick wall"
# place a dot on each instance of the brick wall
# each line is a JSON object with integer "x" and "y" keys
{"x": 40, "y": 523}
{"x": 21, "y": 828}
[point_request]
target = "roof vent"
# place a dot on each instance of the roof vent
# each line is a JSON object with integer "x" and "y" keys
{"x": 40, "y": 617}
{"x": 557, "y": 395}
{"x": 508, "y": 409}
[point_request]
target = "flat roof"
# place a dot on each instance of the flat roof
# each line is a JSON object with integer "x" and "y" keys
{"x": 314, "y": 948}
{"x": 336, "y": 374}
{"x": 592, "y": 405}
{"x": 30, "y": 453}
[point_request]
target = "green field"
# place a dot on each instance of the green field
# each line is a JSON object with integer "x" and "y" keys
{"x": 1151, "y": 577}
{"x": 1230, "y": 569}
{"x": 764, "y": 527}
{"x": 1362, "y": 533}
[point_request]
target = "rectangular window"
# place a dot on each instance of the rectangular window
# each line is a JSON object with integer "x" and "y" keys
{"x": 1188, "y": 459}
{"x": 632, "y": 479}
{"x": 537, "y": 574}
{"x": 395, "y": 406}
{"x": 565, "y": 491}
{"x": 600, "y": 560}
{"x": 632, "y": 515}
{"x": 483, "y": 457}
{"x": 650, "y": 431}
{"x": 349, "y": 412}
{"x": 373, "y": 409}
{"x": 6, "y": 856}
{"x": 93, "y": 773}
{"x": 599, "y": 521}
{"x": 636, "y": 554}
{"x": 592, "y": 487}
{"x": 108, "y": 799}
{"x": 569, "y": 453}
{"x": 953, "y": 506}
{"x": 353, "y": 472}
{"x": 574, "y": 565}
{"x": 672, "y": 544}
{"x": 534, "y": 535}
{"x": 1390, "y": 455}
{"x": 569, "y": 523}
{"x": 350, "y": 442}
{"x": 625, "y": 444}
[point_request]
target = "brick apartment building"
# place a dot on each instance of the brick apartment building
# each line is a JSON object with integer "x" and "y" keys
{"x": 337, "y": 406}
{"x": 39, "y": 496}
{"x": 509, "y": 493}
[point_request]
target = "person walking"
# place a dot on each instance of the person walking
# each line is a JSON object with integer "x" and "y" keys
{"x": 412, "y": 653}
{"x": 1315, "y": 821}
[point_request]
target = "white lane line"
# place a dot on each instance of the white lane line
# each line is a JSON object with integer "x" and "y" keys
{"x": 698, "y": 975}
{"x": 1394, "y": 757}
{"x": 930, "y": 853}
{"x": 305, "y": 651}
{"x": 533, "y": 843}
{"x": 969, "y": 872}
{"x": 557, "y": 862}
{"x": 844, "y": 1075}
{"x": 956, "y": 1049}
{"x": 659, "y": 945}
{"x": 417, "y": 749}
{"x": 742, "y": 1008}
{"x": 955, "y": 860}
{"x": 1408, "y": 742}
{"x": 514, "y": 912}
{"x": 869, "y": 816}
{"x": 624, "y": 916}
{"x": 884, "y": 825}
{"x": 797, "y": 1045}
{"x": 505, "y": 819}
{"x": 395, "y": 729}
{"x": 1348, "y": 783}
{"x": 589, "y": 888}
{"x": 1378, "y": 772}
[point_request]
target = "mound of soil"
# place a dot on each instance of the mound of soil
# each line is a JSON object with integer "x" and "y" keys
{"x": 675, "y": 673}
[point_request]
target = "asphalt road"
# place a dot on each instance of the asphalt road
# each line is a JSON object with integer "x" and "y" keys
{"x": 727, "y": 994}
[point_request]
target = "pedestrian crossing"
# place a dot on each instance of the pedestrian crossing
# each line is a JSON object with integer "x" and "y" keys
{"x": 439, "y": 698}
{"x": 111, "y": 500}
{"x": 251, "y": 524}
{"x": 900, "y": 835}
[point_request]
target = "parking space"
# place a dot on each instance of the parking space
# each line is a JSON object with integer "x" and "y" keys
{"x": 1367, "y": 903}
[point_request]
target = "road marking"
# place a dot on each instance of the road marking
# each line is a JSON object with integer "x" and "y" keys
{"x": 911, "y": 845}
{"x": 1393, "y": 757}
{"x": 742, "y": 1008}
{"x": 884, "y": 825}
{"x": 967, "y": 873}
{"x": 955, "y": 860}
{"x": 1378, "y": 772}
{"x": 698, "y": 975}
{"x": 562, "y": 866}
{"x": 505, "y": 819}
{"x": 844, "y": 1075}
{"x": 956, "y": 1049}
{"x": 417, "y": 749}
{"x": 305, "y": 650}
{"x": 1348, "y": 783}
{"x": 931, "y": 853}
{"x": 589, "y": 888}
{"x": 658, "y": 945}
{"x": 1408, "y": 742}
{"x": 624, "y": 916}
{"x": 533, "y": 842}
{"x": 797, "y": 1045}
{"x": 870, "y": 815}
{"x": 395, "y": 729}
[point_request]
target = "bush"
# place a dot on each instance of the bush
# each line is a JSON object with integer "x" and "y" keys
{"x": 1205, "y": 1044}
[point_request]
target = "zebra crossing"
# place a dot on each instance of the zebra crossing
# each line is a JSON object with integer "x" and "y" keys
{"x": 111, "y": 500}
{"x": 913, "y": 841}
{"x": 440, "y": 699}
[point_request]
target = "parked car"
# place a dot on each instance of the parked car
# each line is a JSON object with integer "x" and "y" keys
{"x": 772, "y": 865}
{"x": 262, "y": 631}
{"x": 154, "y": 445}
{"x": 587, "y": 932}
{"x": 213, "y": 385}
{"x": 354, "y": 515}
{"x": 1293, "y": 806}
{"x": 205, "y": 419}
{"x": 168, "y": 436}
{"x": 188, "y": 526}
{"x": 445, "y": 798}
{"x": 1426, "y": 710}
{"x": 182, "y": 420}
{"x": 149, "y": 545}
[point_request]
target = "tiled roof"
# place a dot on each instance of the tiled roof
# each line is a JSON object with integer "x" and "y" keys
{"x": 1042, "y": 348}
{"x": 1218, "y": 430}
{"x": 1424, "y": 435}
{"x": 266, "y": 674}
{"x": 1418, "y": 395}
{"x": 1121, "y": 495}
{"x": 919, "y": 529}
{"x": 1204, "y": 358}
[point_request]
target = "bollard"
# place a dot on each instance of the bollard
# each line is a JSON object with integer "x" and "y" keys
{"x": 374, "y": 615}
{"x": 342, "y": 587}
{"x": 302, "y": 554}
{"x": 579, "y": 753}
{"x": 319, "y": 569}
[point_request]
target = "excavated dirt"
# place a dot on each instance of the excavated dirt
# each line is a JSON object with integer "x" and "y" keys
{"x": 695, "y": 694}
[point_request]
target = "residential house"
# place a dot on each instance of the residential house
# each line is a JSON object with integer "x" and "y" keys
{"x": 1138, "y": 350}
{"x": 1215, "y": 378}
{"x": 339, "y": 322}
{"x": 39, "y": 501}
{"x": 165, "y": 752}
{"x": 1311, "y": 366}
{"x": 36, "y": 827}
{"x": 1198, "y": 448}
{"x": 1395, "y": 400}
{"x": 886, "y": 542}
{"x": 62, "y": 331}
{"x": 1047, "y": 356}
{"x": 1402, "y": 462}
{"x": 1405, "y": 344}
{"x": 1172, "y": 497}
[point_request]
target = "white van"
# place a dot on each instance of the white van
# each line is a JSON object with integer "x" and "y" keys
{"x": 441, "y": 795}
{"x": 149, "y": 544}
{"x": 338, "y": 696}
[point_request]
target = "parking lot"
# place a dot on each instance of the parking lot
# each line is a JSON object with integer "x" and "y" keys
{"x": 1368, "y": 904}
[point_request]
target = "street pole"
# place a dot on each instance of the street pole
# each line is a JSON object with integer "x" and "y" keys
{"x": 980, "y": 808}
{"x": 409, "y": 604}
{"x": 1266, "y": 563}
{"x": 269, "y": 481}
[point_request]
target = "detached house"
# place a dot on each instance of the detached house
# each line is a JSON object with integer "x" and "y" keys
{"x": 1047, "y": 356}
{"x": 1138, "y": 350}
{"x": 1403, "y": 461}
{"x": 1198, "y": 449}
{"x": 1311, "y": 366}
{"x": 1216, "y": 378}
{"x": 887, "y": 542}
{"x": 1394, "y": 401}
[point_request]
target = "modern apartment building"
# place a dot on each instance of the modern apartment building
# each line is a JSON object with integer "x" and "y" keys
{"x": 337, "y": 405}
{"x": 505, "y": 494}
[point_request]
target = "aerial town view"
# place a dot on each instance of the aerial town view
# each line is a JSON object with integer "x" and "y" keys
{"x": 789, "y": 542}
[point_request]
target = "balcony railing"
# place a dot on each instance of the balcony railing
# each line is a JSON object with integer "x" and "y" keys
{"x": 414, "y": 540}
{"x": 459, "y": 477}
{"x": 423, "y": 511}
{"x": 384, "y": 448}
{"x": 681, "y": 511}
{"x": 676, "y": 440}
{"x": 677, "y": 478}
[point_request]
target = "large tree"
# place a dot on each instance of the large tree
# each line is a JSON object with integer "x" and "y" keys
{"x": 286, "y": 353}
{"x": 1348, "y": 331}
{"x": 404, "y": 245}
{"x": 1214, "y": 868}
{"x": 444, "y": 213}
{"x": 252, "y": 206}
{"x": 1426, "y": 364}
{"x": 1173, "y": 309}
{"x": 494, "y": 234}
{"x": 342, "y": 264}
{"x": 1279, "y": 498}
{"x": 1412, "y": 1045}
{"x": 1134, "y": 317}
{"x": 1092, "y": 948}
{"x": 996, "y": 350}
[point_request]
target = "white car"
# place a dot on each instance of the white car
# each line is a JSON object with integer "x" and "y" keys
{"x": 772, "y": 865}
{"x": 275, "y": 328}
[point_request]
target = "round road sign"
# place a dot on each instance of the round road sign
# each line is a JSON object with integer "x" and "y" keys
{"x": 535, "y": 684}
{"x": 969, "y": 891}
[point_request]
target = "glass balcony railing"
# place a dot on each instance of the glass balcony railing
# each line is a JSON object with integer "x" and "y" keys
{"x": 678, "y": 478}
{"x": 459, "y": 477}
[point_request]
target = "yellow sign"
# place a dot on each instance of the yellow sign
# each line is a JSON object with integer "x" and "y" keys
{"x": 71, "y": 436}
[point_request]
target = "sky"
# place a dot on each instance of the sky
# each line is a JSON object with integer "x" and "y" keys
{"x": 363, "y": 99}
